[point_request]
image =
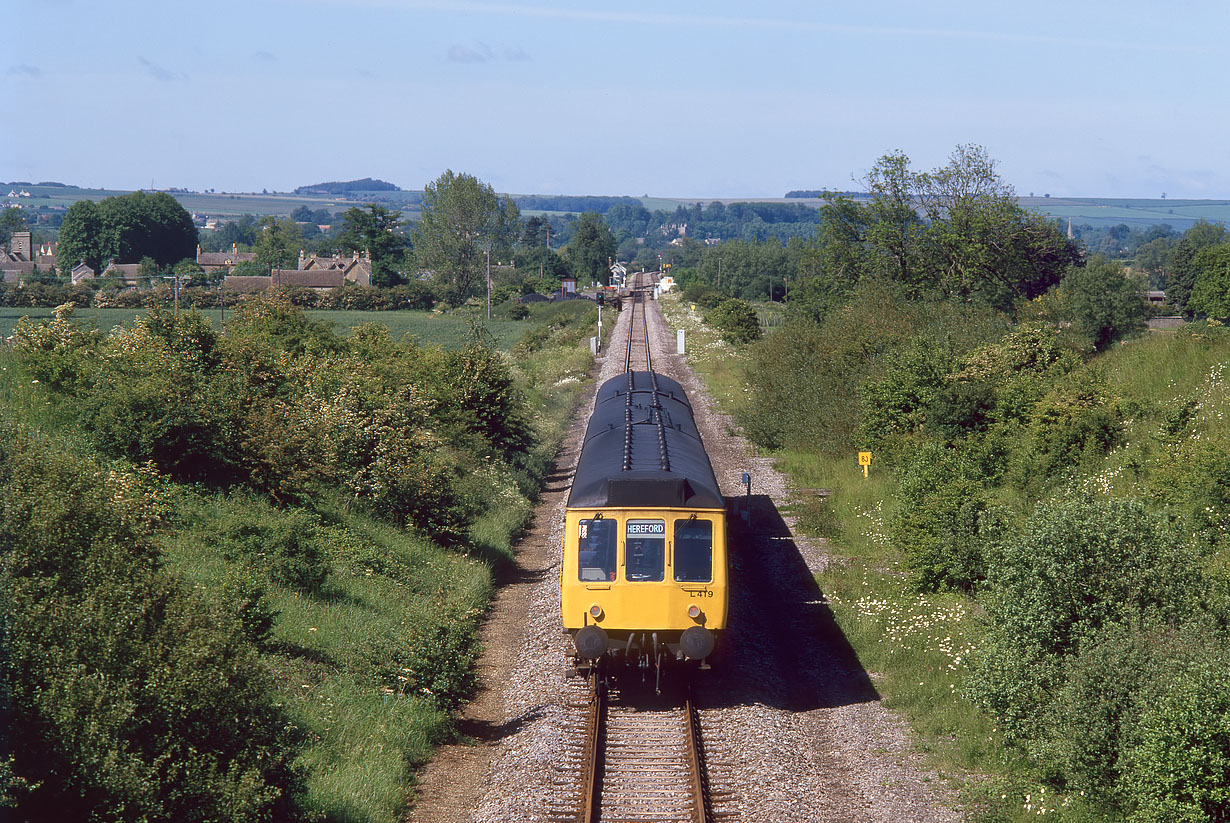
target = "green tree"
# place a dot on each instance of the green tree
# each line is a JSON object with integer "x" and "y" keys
{"x": 1156, "y": 259}
{"x": 277, "y": 245}
{"x": 376, "y": 231}
{"x": 1183, "y": 279}
{"x": 1211, "y": 292}
{"x": 141, "y": 225}
{"x": 971, "y": 241}
{"x": 81, "y": 237}
{"x": 126, "y": 229}
{"x": 981, "y": 244}
{"x": 1104, "y": 301}
{"x": 11, "y": 220}
{"x": 241, "y": 232}
{"x": 592, "y": 249}
{"x": 463, "y": 220}
{"x": 894, "y": 230}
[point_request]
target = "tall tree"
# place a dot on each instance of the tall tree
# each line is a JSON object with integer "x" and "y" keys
{"x": 127, "y": 229}
{"x": 140, "y": 224}
{"x": 981, "y": 244}
{"x": 378, "y": 232}
{"x": 80, "y": 237}
{"x": 278, "y": 243}
{"x": 956, "y": 230}
{"x": 11, "y": 220}
{"x": 894, "y": 230}
{"x": 463, "y": 220}
{"x": 1184, "y": 269}
{"x": 1103, "y": 301}
{"x": 592, "y": 249}
{"x": 1211, "y": 293}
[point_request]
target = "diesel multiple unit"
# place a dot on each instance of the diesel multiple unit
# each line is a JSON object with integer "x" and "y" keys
{"x": 644, "y": 556}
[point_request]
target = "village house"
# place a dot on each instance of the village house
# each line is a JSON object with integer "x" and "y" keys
{"x": 81, "y": 271}
{"x": 316, "y": 273}
{"x": 212, "y": 261}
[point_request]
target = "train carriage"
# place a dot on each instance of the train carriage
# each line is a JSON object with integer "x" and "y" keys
{"x": 644, "y": 570}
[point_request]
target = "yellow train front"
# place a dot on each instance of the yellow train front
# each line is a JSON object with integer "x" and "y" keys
{"x": 644, "y": 571}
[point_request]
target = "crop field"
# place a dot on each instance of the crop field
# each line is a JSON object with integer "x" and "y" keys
{"x": 1101, "y": 212}
{"x": 224, "y": 204}
{"x": 446, "y": 330}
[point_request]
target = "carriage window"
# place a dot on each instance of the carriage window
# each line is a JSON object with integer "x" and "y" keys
{"x": 597, "y": 549}
{"x": 646, "y": 549}
{"x": 693, "y": 551}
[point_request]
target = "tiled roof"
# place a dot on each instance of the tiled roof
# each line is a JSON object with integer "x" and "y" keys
{"x": 235, "y": 283}
{"x": 311, "y": 278}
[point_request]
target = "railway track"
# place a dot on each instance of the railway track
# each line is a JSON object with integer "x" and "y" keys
{"x": 638, "y": 356}
{"x": 634, "y": 756}
{"x": 637, "y": 763}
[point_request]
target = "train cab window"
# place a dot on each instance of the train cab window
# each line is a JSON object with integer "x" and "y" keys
{"x": 645, "y": 547}
{"x": 693, "y": 551}
{"x": 596, "y": 549}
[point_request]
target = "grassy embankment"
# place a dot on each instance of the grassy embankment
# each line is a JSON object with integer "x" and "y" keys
{"x": 368, "y": 630}
{"x": 918, "y": 646}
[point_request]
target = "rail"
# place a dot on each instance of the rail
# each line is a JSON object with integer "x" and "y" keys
{"x": 642, "y": 765}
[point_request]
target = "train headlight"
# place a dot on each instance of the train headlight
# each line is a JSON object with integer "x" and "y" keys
{"x": 694, "y": 611}
{"x": 595, "y": 611}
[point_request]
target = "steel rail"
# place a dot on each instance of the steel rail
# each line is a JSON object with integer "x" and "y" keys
{"x": 696, "y": 761}
{"x": 593, "y": 750}
{"x": 652, "y": 771}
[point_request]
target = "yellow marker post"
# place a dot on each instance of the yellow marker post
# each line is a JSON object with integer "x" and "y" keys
{"x": 864, "y": 460}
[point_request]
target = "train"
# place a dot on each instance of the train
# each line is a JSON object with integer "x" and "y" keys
{"x": 644, "y": 575}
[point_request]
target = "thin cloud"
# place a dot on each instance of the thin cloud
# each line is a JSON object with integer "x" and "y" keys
{"x": 516, "y": 54}
{"x": 159, "y": 73}
{"x": 264, "y": 57}
{"x": 28, "y": 71}
{"x": 459, "y": 53}
{"x": 659, "y": 19}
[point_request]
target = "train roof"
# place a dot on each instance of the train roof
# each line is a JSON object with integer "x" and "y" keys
{"x": 642, "y": 448}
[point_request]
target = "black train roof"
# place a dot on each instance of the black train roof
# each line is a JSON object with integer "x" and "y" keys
{"x": 642, "y": 448}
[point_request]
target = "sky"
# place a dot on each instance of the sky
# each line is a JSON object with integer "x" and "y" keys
{"x": 671, "y": 99}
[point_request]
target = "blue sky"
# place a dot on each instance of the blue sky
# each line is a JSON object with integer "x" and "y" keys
{"x": 673, "y": 99}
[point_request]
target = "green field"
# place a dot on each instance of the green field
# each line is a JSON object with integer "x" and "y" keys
{"x": 1109, "y": 211}
{"x": 222, "y": 204}
{"x": 446, "y": 330}
{"x": 1094, "y": 211}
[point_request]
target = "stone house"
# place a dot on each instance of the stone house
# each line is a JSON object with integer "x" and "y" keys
{"x": 211, "y": 261}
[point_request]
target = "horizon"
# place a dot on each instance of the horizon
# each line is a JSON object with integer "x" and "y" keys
{"x": 717, "y": 100}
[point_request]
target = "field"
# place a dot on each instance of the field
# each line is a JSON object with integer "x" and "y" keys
{"x": 222, "y": 204}
{"x": 445, "y": 330}
{"x": 1101, "y": 212}
{"x": 1094, "y": 211}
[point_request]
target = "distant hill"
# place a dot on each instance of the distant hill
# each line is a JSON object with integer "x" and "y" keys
{"x": 366, "y": 184}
